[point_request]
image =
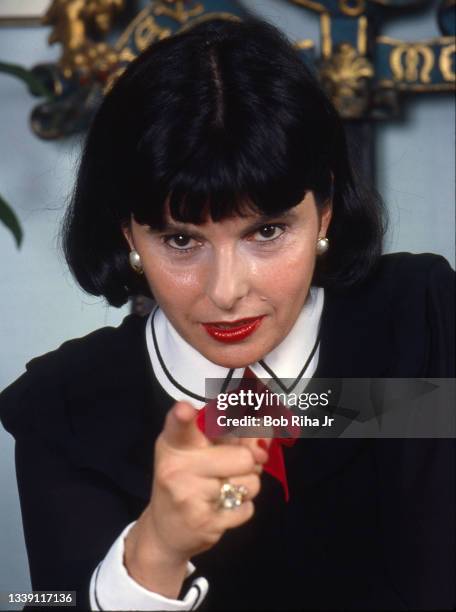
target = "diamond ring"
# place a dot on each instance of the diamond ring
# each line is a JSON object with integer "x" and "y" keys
{"x": 231, "y": 496}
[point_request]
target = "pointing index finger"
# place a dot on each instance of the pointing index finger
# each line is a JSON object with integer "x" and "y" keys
{"x": 181, "y": 429}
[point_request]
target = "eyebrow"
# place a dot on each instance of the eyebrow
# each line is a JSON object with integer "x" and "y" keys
{"x": 176, "y": 227}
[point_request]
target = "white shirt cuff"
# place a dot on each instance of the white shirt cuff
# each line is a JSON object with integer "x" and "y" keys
{"x": 112, "y": 588}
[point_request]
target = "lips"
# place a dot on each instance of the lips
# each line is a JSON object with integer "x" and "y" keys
{"x": 233, "y": 331}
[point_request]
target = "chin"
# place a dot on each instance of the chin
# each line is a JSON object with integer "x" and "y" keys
{"x": 232, "y": 363}
{"x": 235, "y": 356}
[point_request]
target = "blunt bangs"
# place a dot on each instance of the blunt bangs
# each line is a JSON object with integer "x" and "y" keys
{"x": 223, "y": 119}
{"x": 218, "y": 180}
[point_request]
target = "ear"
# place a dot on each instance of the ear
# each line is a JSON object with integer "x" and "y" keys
{"x": 325, "y": 218}
{"x": 126, "y": 231}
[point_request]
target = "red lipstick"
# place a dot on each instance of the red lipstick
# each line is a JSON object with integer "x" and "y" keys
{"x": 232, "y": 331}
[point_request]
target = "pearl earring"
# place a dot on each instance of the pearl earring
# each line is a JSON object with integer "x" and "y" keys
{"x": 322, "y": 245}
{"x": 135, "y": 261}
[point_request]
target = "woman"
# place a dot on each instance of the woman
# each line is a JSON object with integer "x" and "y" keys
{"x": 216, "y": 179}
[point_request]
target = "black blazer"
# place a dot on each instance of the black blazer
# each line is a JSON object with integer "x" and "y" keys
{"x": 370, "y": 523}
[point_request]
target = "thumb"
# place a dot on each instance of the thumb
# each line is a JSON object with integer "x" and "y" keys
{"x": 181, "y": 430}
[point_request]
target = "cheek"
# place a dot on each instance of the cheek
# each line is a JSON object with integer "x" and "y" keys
{"x": 289, "y": 274}
{"x": 171, "y": 284}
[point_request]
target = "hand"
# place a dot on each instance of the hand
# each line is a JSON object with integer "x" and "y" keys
{"x": 189, "y": 470}
{"x": 183, "y": 518}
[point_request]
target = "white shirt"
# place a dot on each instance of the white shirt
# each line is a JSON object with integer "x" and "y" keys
{"x": 111, "y": 587}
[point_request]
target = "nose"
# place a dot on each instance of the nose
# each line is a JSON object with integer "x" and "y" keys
{"x": 228, "y": 280}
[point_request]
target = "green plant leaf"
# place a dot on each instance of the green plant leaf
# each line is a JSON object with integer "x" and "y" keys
{"x": 34, "y": 84}
{"x": 8, "y": 218}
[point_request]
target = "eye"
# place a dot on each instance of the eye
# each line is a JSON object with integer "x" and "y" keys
{"x": 269, "y": 232}
{"x": 180, "y": 242}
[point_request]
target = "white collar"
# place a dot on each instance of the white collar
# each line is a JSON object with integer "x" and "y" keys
{"x": 190, "y": 369}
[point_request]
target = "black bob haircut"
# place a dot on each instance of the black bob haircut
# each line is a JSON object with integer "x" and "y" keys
{"x": 220, "y": 119}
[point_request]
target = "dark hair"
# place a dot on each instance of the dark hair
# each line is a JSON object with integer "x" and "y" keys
{"x": 216, "y": 119}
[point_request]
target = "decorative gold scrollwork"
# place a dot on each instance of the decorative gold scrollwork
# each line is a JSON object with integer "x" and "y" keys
{"x": 362, "y": 39}
{"x": 326, "y": 39}
{"x": 147, "y": 31}
{"x": 446, "y": 60}
{"x": 125, "y": 57}
{"x": 345, "y": 75}
{"x": 353, "y": 8}
{"x": 312, "y": 5}
{"x": 411, "y": 53}
{"x": 71, "y": 20}
{"x": 175, "y": 9}
{"x": 304, "y": 44}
